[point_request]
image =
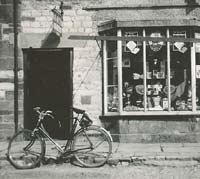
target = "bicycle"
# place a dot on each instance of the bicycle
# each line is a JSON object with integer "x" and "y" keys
{"x": 90, "y": 145}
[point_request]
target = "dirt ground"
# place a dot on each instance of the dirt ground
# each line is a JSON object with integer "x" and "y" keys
{"x": 68, "y": 171}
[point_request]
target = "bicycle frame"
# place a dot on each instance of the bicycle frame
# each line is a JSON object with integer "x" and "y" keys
{"x": 43, "y": 133}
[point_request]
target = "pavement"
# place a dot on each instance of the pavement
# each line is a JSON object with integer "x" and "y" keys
{"x": 155, "y": 154}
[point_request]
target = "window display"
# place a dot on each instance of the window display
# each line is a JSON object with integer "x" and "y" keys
{"x": 156, "y": 76}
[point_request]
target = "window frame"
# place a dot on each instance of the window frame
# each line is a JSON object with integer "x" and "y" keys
{"x": 145, "y": 112}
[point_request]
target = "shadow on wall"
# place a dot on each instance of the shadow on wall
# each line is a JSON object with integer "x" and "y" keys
{"x": 52, "y": 40}
{"x": 111, "y": 125}
{"x": 191, "y": 5}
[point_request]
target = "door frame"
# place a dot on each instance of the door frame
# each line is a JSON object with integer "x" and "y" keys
{"x": 26, "y": 62}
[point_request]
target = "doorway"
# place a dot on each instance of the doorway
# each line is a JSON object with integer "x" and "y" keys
{"x": 48, "y": 84}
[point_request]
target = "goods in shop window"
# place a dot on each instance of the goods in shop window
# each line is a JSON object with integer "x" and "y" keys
{"x": 140, "y": 89}
{"x": 198, "y": 71}
{"x": 172, "y": 89}
{"x": 149, "y": 75}
{"x": 156, "y": 46}
{"x": 136, "y": 76}
{"x": 165, "y": 103}
{"x": 160, "y": 75}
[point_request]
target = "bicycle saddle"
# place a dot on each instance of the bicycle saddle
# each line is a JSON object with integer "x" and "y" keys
{"x": 78, "y": 110}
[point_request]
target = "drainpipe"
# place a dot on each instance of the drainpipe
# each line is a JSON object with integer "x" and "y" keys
{"x": 15, "y": 24}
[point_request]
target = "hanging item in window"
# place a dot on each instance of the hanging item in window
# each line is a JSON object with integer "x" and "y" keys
{"x": 132, "y": 46}
{"x": 179, "y": 46}
{"x": 155, "y": 46}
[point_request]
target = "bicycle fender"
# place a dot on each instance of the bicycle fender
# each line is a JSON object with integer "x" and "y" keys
{"x": 107, "y": 133}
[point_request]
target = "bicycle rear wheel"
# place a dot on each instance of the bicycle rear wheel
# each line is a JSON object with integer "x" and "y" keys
{"x": 92, "y": 147}
{"x": 25, "y": 150}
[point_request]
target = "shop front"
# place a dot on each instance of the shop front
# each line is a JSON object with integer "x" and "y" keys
{"x": 150, "y": 86}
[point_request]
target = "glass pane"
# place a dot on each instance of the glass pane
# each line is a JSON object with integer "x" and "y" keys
{"x": 180, "y": 77}
{"x": 132, "y": 72}
{"x": 156, "y": 65}
{"x": 112, "y": 77}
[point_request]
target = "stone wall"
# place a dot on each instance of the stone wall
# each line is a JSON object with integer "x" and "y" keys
{"x": 81, "y": 17}
{"x": 153, "y": 129}
{"x": 7, "y": 73}
{"x": 37, "y": 23}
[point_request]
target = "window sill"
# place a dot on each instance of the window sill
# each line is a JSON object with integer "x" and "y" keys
{"x": 151, "y": 113}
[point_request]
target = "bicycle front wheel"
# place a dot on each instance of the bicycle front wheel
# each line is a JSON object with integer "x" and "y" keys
{"x": 25, "y": 150}
{"x": 92, "y": 147}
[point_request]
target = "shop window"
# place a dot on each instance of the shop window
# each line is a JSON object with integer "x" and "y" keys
{"x": 180, "y": 74}
{"x": 197, "y": 71}
{"x": 152, "y": 77}
{"x": 112, "y": 77}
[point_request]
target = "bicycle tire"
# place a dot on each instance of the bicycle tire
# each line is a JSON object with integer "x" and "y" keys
{"x": 94, "y": 156}
{"x": 25, "y": 150}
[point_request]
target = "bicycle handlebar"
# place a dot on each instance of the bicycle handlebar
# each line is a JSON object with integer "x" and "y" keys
{"x": 43, "y": 113}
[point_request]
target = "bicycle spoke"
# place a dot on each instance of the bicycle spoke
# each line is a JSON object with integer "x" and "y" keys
{"x": 23, "y": 152}
{"x": 99, "y": 144}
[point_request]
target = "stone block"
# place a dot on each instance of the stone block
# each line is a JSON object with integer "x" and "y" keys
{"x": 6, "y": 1}
{"x": 26, "y": 13}
{"x": 87, "y": 24}
{"x": 2, "y": 94}
{"x": 41, "y": 19}
{"x": 6, "y": 105}
{"x": 6, "y": 49}
{"x": 7, "y": 126}
{"x": 7, "y": 63}
{"x": 1, "y": 31}
{"x": 7, "y": 86}
{"x": 81, "y": 29}
{"x": 8, "y": 30}
{"x": 69, "y": 12}
{"x": 8, "y": 118}
{"x": 77, "y": 24}
{"x": 6, "y": 12}
{"x": 67, "y": 18}
{"x": 178, "y": 126}
{"x": 25, "y": 24}
{"x": 27, "y": 18}
{"x": 6, "y": 134}
{"x": 36, "y": 13}
{"x": 68, "y": 24}
{"x": 88, "y": 30}
{"x": 7, "y": 74}
{"x": 35, "y": 24}
{"x": 86, "y": 99}
{"x": 45, "y": 12}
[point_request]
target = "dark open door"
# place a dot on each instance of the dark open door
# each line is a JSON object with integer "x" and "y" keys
{"x": 48, "y": 84}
